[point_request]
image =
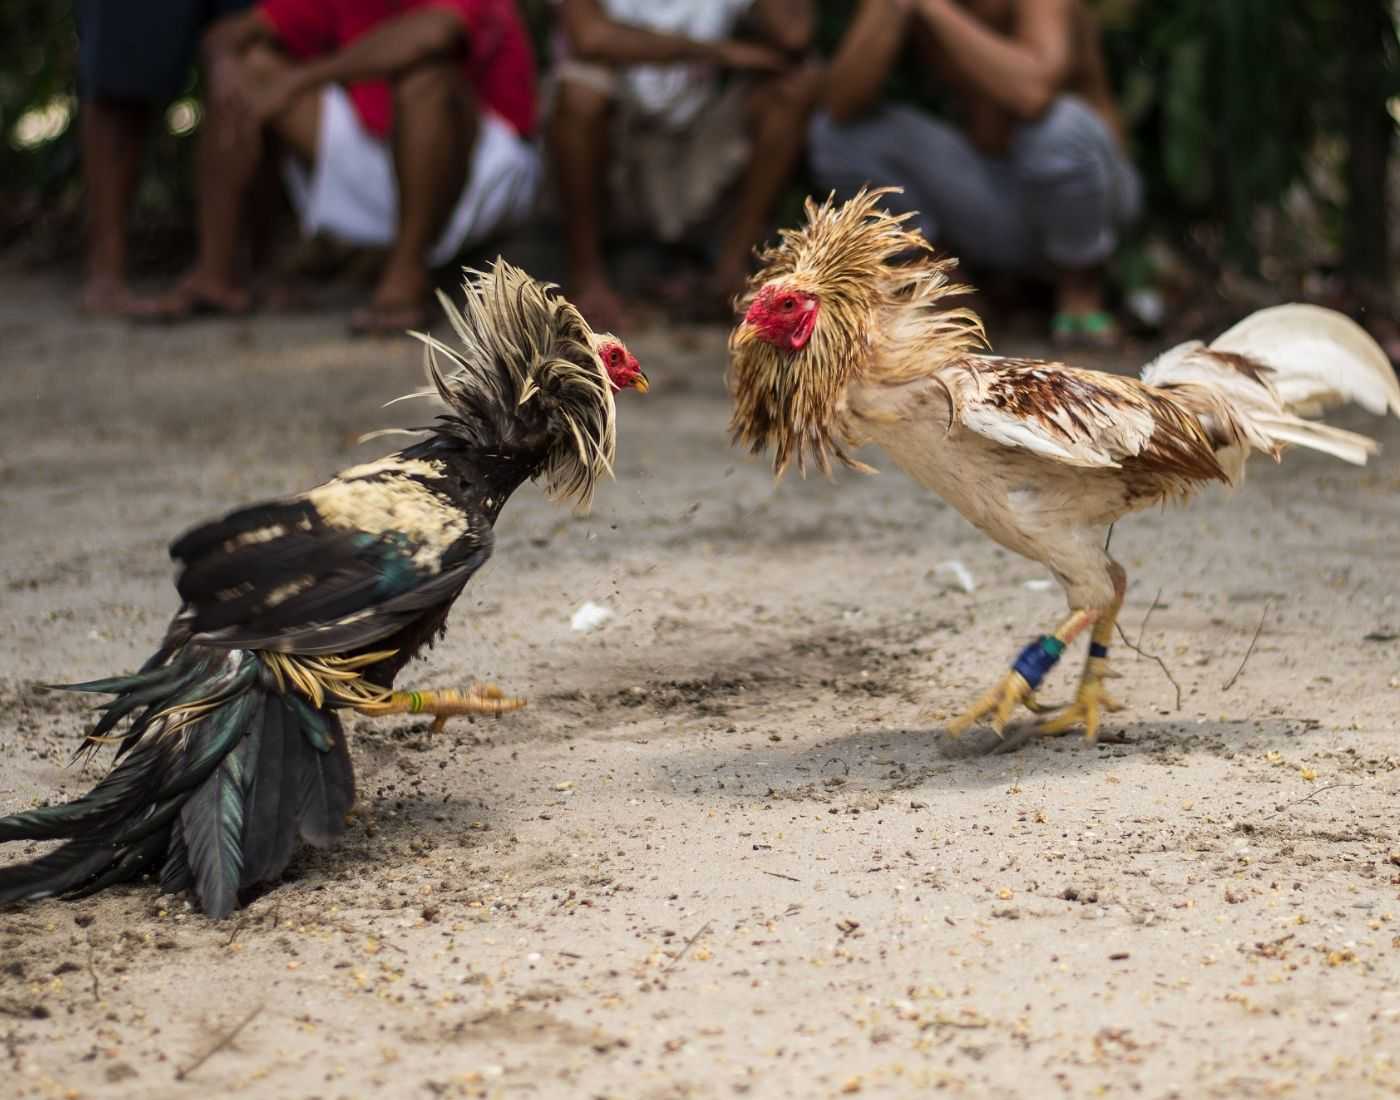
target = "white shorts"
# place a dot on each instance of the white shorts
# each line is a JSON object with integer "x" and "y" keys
{"x": 351, "y": 192}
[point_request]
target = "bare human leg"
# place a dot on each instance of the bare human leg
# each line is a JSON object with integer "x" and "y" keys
{"x": 113, "y": 135}
{"x": 435, "y": 128}
{"x": 230, "y": 154}
{"x": 578, "y": 142}
{"x": 779, "y": 109}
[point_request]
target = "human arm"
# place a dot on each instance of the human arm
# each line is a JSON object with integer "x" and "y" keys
{"x": 592, "y": 36}
{"x": 865, "y": 57}
{"x": 1021, "y": 72}
{"x": 233, "y": 34}
{"x": 232, "y": 95}
{"x": 787, "y": 24}
{"x": 389, "y": 48}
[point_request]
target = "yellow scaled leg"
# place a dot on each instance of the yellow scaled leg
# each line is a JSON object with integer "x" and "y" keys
{"x": 442, "y": 705}
{"x": 1014, "y": 689}
{"x": 1092, "y": 698}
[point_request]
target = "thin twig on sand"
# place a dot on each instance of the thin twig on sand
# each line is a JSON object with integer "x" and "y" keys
{"x": 1262, "y": 616}
{"x": 686, "y": 947}
{"x": 1308, "y": 798}
{"x": 1156, "y": 603}
{"x": 779, "y": 874}
{"x": 227, "y": 1037}
{"x": 1152, "y": 657}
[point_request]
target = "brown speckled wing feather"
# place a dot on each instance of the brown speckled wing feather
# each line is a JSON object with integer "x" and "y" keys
{"x": 1079, "y": 418}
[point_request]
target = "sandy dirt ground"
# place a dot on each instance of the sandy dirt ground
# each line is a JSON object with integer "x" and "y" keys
{"x": 727, "y": 851}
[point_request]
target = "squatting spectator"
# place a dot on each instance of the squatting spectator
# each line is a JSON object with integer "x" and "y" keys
{"x": 1032, "y": 178}
{"x": 407, "y": 123}
{"x": 662, "y": 120}
{"x": 132, "y": 61}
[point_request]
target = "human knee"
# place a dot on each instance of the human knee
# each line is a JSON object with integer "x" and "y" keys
{"x": 1069, "y": 142}
{"x": 261, "y": 62}
{"x": 431, "y": 84}
{"x": 791, "y": 96}
{"x": 579, "y": 103}
{"x": 833, "y": 147}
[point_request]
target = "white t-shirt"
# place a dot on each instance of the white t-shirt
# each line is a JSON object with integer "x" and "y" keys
{"x": 675, "y": 94}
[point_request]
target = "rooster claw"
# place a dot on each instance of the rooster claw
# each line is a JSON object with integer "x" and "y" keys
{"x": 1035, "y": 706}
{"x": 442, "y": 705}
{"x": 1087, "y": 709}
{"x": 997, "y": 705}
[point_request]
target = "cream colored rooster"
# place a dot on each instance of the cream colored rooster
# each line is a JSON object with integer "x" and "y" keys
{"x": 847, "y": 340}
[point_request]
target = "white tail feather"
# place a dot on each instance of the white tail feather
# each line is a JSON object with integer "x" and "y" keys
{"x": 1348, "y": 446}
{"x": 1320, "y": 358}
{"x": 1316, "y": 358}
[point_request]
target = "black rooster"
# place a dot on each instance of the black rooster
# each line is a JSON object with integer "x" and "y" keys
{"x": 295, "y": 609}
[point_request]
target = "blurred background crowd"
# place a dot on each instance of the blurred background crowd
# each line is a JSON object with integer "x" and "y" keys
{"x": 1101, "y": 167}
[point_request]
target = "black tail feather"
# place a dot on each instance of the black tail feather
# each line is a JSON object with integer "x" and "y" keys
{"x": 270, "y": 825}
{"x": 214, "y": 798}
{"x": 135, "y": 862}
{"x": 212, "y": 818}
{"x": 158, "y": 768}
{"x": 327, "y": 790}
{"x": 175, "y": 872}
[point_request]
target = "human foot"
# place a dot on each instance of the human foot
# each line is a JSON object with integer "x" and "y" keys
{"x": 600, "y": 305}
{"x": 401, "y": 301}
{"x": 196, "y": 295}
{"x": 389, "y": 318}
{"x": 105, "y": 296}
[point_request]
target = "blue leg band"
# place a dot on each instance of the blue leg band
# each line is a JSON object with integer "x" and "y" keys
{"x": 1096, "y": 650}
{"x": 1038, "y": 658}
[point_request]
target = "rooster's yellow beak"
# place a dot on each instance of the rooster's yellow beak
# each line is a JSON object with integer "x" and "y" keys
{"x": 640, "y": 383}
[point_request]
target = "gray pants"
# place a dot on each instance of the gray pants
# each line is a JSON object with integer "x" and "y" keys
{"x": 1056, "y": 199}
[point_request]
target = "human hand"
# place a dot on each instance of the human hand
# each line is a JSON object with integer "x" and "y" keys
{"x": 749, "y": 56}
{"x": 272, "y": 94}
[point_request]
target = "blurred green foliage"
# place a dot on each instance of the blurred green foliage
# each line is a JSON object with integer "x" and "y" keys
{"x": 38, "y": 46}
{"x": 1230, "y": 104}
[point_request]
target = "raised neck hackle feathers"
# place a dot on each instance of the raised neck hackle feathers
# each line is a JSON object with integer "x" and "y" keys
{"x": 861, "y": 262}
{"x": 525, "y": 355}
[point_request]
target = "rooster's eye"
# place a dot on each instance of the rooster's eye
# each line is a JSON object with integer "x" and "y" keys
{"x": 788, "y": 304}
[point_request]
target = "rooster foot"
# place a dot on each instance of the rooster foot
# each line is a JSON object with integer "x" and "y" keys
{"x": 442, "y": 705}
{"x": 1000, "y": 702}
{"x": 1090, "y": 702}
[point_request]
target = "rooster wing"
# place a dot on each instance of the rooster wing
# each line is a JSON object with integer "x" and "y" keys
{"x": 339, "y": 568}
{"x": 1058, "y": 414}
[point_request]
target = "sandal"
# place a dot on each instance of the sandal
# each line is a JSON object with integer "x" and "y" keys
{"x": 1096, "y": 329}
{"x": 389, "y": 320}
{"x": 188, "y": 304}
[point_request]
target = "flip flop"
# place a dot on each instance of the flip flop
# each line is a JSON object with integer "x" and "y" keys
{"x": 192, "y": 306}
{"x": 1096, "y": 329}
{"x": 388, "y": 320}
